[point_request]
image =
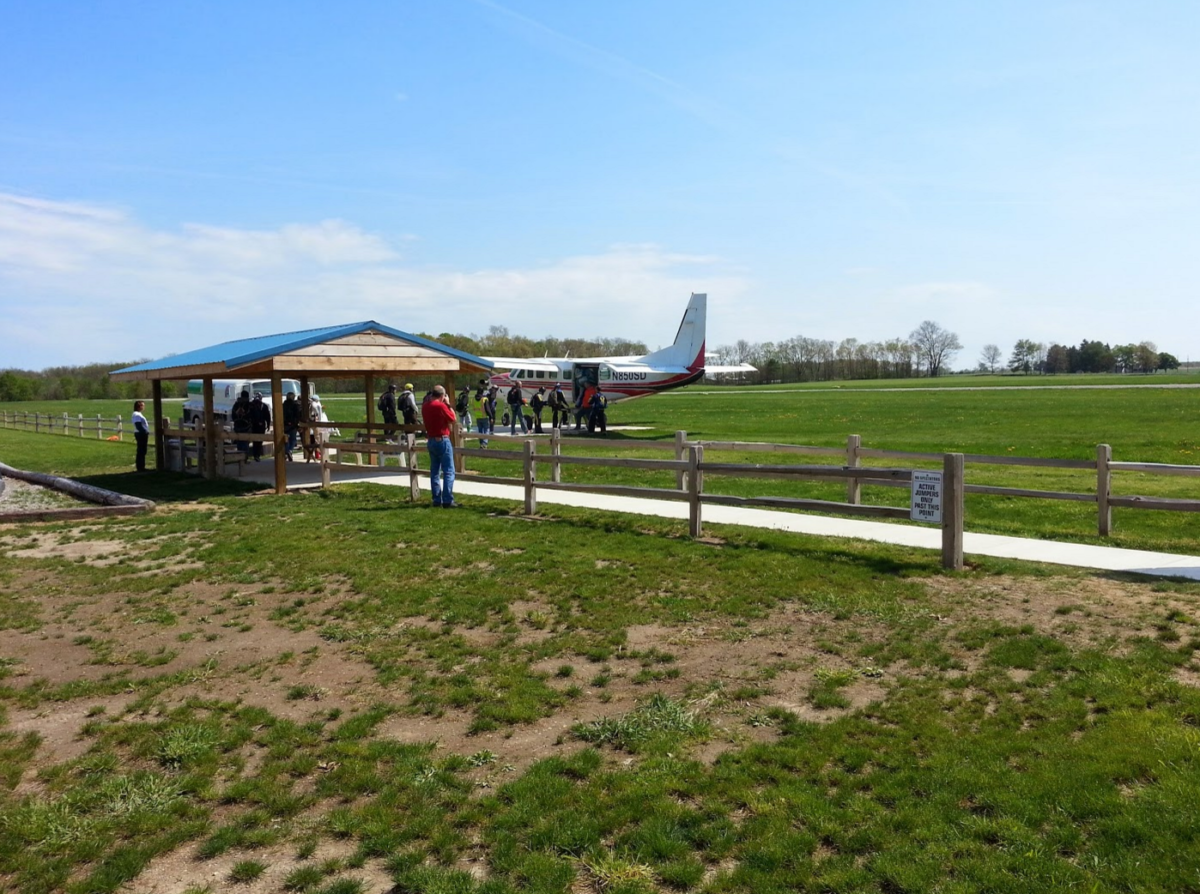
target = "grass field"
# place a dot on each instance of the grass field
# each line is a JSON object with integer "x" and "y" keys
{"x": 344, "y": 692}
{"x": 1143, "y": 423}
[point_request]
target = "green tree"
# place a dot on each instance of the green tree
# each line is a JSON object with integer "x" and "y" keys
{"x": 935, "y": 346}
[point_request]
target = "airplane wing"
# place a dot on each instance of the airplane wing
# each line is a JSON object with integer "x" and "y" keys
{"x": 503, "y": 364}
{"x": 729, "y": 370}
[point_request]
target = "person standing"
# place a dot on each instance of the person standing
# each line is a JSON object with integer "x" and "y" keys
{"x": 260, "y": 421}
{"x": 537, "y": 403}
{"x": 291, "y": 422}
{"x": 598, "y": 416}
{"x": 316, "y": 435}
{"x": 408, "y": 404}
{"x": 462, "y": 406}
{"x": 387, "y": 406}
{"x": 581, "y": 406}
{"x": 240, "y": 414}
{"x": 141, "y": 434}
{"x": 487, "y": 416}
{"x": 440, "y": 421}
{"x": 560, "y": 406}
{"x": 516, "y": 409}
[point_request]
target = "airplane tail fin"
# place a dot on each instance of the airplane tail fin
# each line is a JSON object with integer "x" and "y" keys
{"x": 688, "y": 349}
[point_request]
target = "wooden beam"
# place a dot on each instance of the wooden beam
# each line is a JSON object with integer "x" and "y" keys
{"x": 277, "y": 430}
{"x": 197, "y": 371}
{"x": 362, "y": 365}
{"x": 211, "y": 446}
{"x": 160, "y": 454}
{"x": 396, "y": 349}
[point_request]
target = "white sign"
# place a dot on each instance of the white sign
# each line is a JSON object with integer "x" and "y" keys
{"x": 926, "y": 497}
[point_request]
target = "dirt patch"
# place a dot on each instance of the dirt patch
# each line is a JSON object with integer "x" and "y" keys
{"x": 244, "y": 644}
{"x": 181, "y": 869}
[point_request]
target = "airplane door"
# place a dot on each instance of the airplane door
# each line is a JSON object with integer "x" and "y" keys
{"x": 584, "y": 379}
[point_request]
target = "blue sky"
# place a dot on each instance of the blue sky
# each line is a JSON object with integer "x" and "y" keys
{"x": 175, "y": 174}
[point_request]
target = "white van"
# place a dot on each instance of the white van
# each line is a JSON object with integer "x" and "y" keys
{"x": 227, "y": 391}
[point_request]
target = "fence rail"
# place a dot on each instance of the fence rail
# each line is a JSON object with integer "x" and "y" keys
{"x": 65, "y": 424}
{"x": 853, "y": 472}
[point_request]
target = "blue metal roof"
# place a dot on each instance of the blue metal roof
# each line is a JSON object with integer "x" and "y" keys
{"x": 242, "y": 351}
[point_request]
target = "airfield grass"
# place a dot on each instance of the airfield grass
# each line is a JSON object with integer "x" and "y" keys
{"x": 1049, "y": 753}
{"x": 1142, "y": 423}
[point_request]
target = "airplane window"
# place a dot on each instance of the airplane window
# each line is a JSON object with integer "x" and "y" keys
{"x": 540, "y": 374}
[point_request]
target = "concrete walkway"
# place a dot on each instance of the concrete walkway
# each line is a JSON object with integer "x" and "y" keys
{"x": 303, "y": 476}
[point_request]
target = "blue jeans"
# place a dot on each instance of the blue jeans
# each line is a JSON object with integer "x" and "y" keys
{"x": 515, "y": 417}
{"x": 485, "y": 426}
{"x": 441, "y": 470}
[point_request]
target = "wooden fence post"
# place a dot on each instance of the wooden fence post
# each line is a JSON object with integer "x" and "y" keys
{"x": 853, "y": 485}
{"x": 66, "y": 421}
{"x": 530, "y": 478}
{"x": 37, "y": 423}
{"x": 952, "y": 511}
{"x": 120, "y": 428}
{"x": 99, "y": 427}
{"x": 326, "y": 476}
{"x": 681, "y": 482}
{"x": 414, "y": 483}
{"x": 695, "y": 488}
{"x": 555, "y": 450}
{"x": 1104, "y": 488}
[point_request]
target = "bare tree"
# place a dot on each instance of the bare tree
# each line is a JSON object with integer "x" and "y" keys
{"x": 934, "y": 345}
{"x": 990, "y": 357}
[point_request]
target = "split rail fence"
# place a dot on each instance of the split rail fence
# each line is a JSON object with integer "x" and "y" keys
{"x": 99, "y": 427}
{"x": 690, "y": 467}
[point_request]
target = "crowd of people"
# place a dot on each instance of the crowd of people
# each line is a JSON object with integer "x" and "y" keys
{"x": 251, "y": 415}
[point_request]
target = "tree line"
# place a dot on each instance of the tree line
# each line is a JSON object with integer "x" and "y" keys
{"x": 1029, "y": 356}
{"x": 92, "y": 381}
{"x": 927, "y": 350}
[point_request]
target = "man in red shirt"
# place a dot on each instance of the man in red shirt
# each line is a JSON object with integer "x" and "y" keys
{"x": 440, "y": 420}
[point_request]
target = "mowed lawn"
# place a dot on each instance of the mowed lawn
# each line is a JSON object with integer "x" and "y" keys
{"x": 345, "y": 692}
{"x": 1146, "y": 423}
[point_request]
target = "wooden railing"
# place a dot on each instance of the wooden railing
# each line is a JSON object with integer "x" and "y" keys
{"x": 853, "y": 472}
{"x": 65, "y": 424}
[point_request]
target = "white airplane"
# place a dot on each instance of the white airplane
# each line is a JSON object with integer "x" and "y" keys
{"x": 620, "y": 378}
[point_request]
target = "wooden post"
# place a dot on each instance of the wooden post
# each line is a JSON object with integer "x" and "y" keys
{"x": 457, "y": 440}
{"x": 952, "y": 511}
{"x": 120, "y": 428}
{"x": 66, "y": 421}
{"x": 326, "y": 477}
{"x": 695, "y": 488}
{"x": 530, "y": 478}
{"x": 278, "y": 437}
{"x": 99, "y": 427}
{"x": 37, "y": 423}
{"x": 853, "y": 485}
{"x": 414, "y": 483}
{"x": 160, "y": 444}
{"x": 210, "y": 431}
{"x": 370, "y": 378}
{"x": 681, "y": 482}
{"x": 81, "y": 425}
{"x": 1104, "y": 488}
{"x": 555, "y": 450}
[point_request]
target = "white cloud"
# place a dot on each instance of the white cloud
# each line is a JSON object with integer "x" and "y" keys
{"x": 82, "y": 283}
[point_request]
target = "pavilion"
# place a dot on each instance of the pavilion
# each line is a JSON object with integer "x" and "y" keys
{"x": 368, "y": 350}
